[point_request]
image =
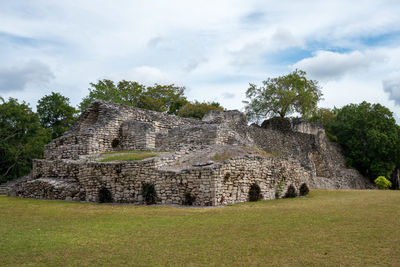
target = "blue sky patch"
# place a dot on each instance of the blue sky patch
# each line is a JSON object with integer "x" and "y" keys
{"x": 288, "y": 56}
{"x": 253, "y": 17}
{"x": 386, "y": 39}
{"x": 19, "y": 40}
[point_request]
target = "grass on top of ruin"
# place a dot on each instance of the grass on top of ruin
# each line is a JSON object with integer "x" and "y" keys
{"x": 121, "y": 152}
{"x": 126, "y": 155}
{"x": 349, "y": 228}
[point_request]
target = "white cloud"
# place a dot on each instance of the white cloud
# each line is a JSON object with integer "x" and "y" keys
{"x": 17, "y": 78}
{"x": 147, "y": 75}
{"x": 392, "y": 87}
{"x": 326, "y": 65}
{"x": 227, "y": 95}
{"x": 283, "y": 38}
{"x": 211, "y": 47}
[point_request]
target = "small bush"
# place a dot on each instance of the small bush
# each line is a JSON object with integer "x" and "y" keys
{"x": 105, "y": 195}
{"x": 291, "y": 192}
{"x": 115, "y": 143}
{"x": 221, "y": 157}
{"x": 82, "y": 196}
{"x": 226, "y": 177}
{"x": 279, "y": 190}
{"x": 149, "y": 193}
{"x": 189, "y": 199}
{"x": 255, "y": 192}
{"x": 304, "y": 190}
{"x": 382, "y": 182}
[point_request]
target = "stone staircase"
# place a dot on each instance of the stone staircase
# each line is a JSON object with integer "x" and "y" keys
{"x": 3, "y": 189}
{"x": 6, "y": 187}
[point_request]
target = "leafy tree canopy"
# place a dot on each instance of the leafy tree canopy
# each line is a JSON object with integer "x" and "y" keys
{"x": 370, "y": 137}
{"x": 282, "y": 96}
{"x": 21, "y": 139}
{"x": 55, "y": 113}
{"x": 325, "y": 116}
{"x": 197, "y": 110}
{"x": 158, "y": 97}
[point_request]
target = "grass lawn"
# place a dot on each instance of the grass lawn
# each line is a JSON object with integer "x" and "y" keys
{"x": 350, "y": 228}
{"x": 127, "y": 155}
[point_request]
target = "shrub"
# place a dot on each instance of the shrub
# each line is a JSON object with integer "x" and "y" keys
{"x": 149, "y": 193}
{"x": 221, "y": 157}
{"x": 226, "y": 177}
{"x": 115, "y": 143}
{"x": 82, "y": 196}
{"x": 382, "y": 182}
{"x": 105, "y": 195}
{"x": 279, "y": 190}
{"x": 255, "y": 192}
{"x": 304, "y": 190}
{"x": 291, "y": 192}
{"x": 189, "y": 199}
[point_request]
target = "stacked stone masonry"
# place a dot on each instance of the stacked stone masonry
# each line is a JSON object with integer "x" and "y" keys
{"x": 274, "y": 156}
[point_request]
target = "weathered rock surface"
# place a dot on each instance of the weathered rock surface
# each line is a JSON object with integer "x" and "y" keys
{"x": 215, "y": 160}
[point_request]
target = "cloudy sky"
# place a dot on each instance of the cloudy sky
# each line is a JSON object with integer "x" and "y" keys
{"x": 213, "y": 48}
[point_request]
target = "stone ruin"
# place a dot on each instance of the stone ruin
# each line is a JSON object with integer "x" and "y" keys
{"x": 214, "y": 160}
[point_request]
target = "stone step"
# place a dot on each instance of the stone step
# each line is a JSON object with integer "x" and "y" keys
{"x": 3, "y": 190}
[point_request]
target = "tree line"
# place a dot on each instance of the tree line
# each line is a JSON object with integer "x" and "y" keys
{"x": 367, "y": 132}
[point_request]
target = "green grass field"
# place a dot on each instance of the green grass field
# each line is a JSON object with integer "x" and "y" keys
{"x": 127, "y": 155}
{"x": 349, "y": 228}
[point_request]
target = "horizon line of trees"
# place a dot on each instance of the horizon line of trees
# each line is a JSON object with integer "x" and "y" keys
{"x": 367, "y": 132}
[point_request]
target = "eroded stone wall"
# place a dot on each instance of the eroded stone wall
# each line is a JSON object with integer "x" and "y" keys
{"x": 237, "y": 175}
{"x": 308, "y": 144}
{"x": 99, "y": 126}
{"x": 136, "y": 135}
{"x": 218, "y": 184}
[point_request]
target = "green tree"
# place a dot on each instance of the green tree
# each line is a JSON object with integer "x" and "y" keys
{"x": 282, "y": 96}
{"x": 21, "y": 139}
{"x": 370, "y": 138}
{"x": 56, "y": 114}
{"x": 161, "y": 98}
{"x": 325, "y": 116}
{"x": 197, "y": 110}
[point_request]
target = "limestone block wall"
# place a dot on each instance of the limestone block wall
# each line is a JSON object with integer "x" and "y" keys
{"x": 285, "y": 143}
{"x": 314, "y": 152}
{"x": 123, "y": 179}
{"x": 85, "y": 138}
{"x": 46, "y": 188}
{"x": 237, "y": 175}
{"x": 56, "y": 169}
{"x": 218, "y": 184}
{"x": 99, "y": 126}
{"x": 226, "y": 117}
{"x": 205, "y": 134}
{"x": 136, "y": 135}
{"x": 303, "y": 126}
